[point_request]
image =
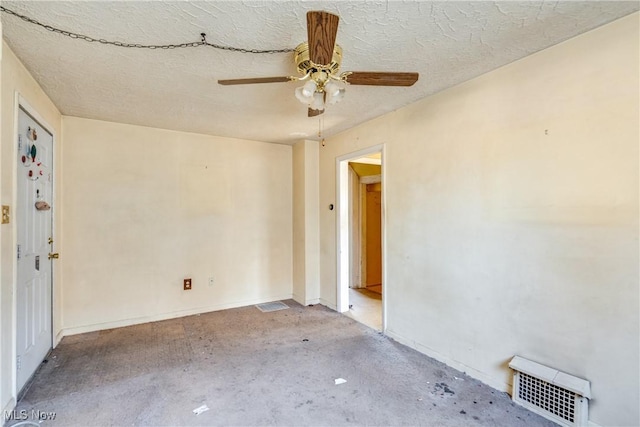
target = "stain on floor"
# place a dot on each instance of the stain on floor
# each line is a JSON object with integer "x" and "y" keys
{"x": 253, "y": 369}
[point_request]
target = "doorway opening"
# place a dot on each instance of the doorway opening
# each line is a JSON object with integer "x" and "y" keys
{"x": 360, "y": 188}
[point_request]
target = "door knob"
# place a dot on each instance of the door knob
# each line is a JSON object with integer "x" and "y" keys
{"x": 54, "y": 256}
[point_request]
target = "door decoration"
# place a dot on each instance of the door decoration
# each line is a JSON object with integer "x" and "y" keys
{"x": 30, "y": 161}
{"x": 41, "y": 205}
{"x": 30, "y": 156}
{"x": 32, "y": 133}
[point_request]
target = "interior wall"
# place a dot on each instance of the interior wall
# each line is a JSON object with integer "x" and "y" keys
{"x": 306, "y": 261}
{"x": 312, "y": 239}
{"x": 511, "y": 218}
{"x": 146, "y": 208}
{"x": 299, "y": 210}
{"x": 16, "y": 79}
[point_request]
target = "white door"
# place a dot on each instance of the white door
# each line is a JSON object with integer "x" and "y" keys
{"x": 33, "y": 221}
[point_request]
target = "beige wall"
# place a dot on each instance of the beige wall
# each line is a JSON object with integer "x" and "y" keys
{"x": 306, "y": 285}
{"x": 16, "y": 79}
{"x": 145, "y": 208}
{"x": 299, "y": 208}
{"x": 512, "y": 218}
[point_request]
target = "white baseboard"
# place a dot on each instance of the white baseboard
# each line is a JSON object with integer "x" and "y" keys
{"x": 480, "y": 376}
{"x": 165, "y": 316}
{"x": 328, "y": 304}
{"x": 58, "y": 338}
{"x": 298, "y": 299}
{"x": 303, "y": 301}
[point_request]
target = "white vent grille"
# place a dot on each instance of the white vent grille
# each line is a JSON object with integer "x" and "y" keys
{"x": 557, "y": 396}
{"x": 268, "y": 307}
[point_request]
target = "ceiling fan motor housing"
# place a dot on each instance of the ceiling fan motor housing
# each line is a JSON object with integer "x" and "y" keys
{"x": 305, "y": 65}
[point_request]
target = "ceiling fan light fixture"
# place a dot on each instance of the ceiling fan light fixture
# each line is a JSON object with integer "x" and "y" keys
{"x": 334, "y": 99}
{"x": 334, "y": 92}
{"x": 305, "y": 93}
{"x": 309, "y": 88}
{"x": 318, "y": 101}
{"x": 300, "y": 96}
{"x": 318, "y": 62}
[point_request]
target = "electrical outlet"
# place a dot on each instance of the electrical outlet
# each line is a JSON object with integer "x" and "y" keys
{"x": 210, "y": 281}
{"x": 187, "y": 284}
{"x": 6, "y": 214}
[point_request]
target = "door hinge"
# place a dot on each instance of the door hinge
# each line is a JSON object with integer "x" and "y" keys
{"x": 18, "y": 252}
{"x": 18, "y": 363}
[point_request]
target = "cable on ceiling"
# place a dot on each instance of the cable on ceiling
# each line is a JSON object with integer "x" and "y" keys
{"x": 203, "y": 41}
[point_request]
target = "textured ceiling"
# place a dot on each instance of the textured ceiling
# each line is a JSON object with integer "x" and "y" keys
{"x": 446, "y": 42}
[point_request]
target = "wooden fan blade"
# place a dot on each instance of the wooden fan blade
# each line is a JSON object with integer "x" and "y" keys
{"x": 254, "y": 80}
{"x": 322, "y": 28}
{"x": 382, "y": 78}
{"x": 313, "y": 113}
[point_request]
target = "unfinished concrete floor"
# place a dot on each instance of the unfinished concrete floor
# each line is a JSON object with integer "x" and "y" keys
{"x": 253, "y": 368}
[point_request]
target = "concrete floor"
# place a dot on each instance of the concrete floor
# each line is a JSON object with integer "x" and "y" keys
{"x": 253, "y": 368}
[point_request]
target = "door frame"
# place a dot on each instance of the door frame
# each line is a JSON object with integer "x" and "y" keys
{"x": 344, "y": 233}
{"x": 356, "y": 277}
{"x": 21, "y": 102}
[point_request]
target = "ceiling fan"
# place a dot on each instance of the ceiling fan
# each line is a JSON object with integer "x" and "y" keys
{"x": 318, "y": 61}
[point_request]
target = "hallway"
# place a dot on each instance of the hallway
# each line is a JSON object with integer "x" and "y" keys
{"x": 366, "y": 307}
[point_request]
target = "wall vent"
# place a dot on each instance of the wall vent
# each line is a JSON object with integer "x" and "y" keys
{"x": 557, "y": 396}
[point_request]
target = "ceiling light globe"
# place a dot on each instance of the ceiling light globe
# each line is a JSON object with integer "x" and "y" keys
{"x": 335, "y": 96}
{"x": 299, "y": 96}
{"x": 309, "y": 88}
{"x": 318, "y": 101}
{"x": 331, "y": 88}
{"x": 306, "y": 100}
